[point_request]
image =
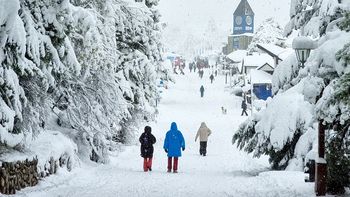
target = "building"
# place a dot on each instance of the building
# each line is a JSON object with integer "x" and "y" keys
{"x": 276, "y": 52}
{"x": 267, "y": 68}
{"x": 239, "y": 42}
{"x": 243, "y": 28}
{"x": 243, "y": 19}
{"x": 255, "y": 61}
{"x": 261, "y": 83}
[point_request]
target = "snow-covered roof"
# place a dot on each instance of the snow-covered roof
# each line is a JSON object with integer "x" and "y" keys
{"x": 272, "y": 48}
{"x": 266, "y": 65}
{"x": 237, "y": 56}
{"x": 281, "y": 53}
{"x": 257, "y": 60}
{"x": 259, "y": 77}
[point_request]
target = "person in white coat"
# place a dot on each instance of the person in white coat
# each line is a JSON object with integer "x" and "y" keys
{"x": 203, "y": 134}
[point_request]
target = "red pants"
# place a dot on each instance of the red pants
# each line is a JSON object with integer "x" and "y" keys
{"x": 147, "y": 164}
{"x": 170, "y": 162}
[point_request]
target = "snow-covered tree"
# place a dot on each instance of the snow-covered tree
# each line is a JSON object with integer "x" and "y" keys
{"x": 92, "y": 63}
{"x": 267, "y": 33}
{"x": 286, "y": 130}
{"x": 313, "y": 17}
{"x": 335, "y": 110}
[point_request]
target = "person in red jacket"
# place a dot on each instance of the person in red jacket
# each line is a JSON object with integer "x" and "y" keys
{"x": 147, "y": 140}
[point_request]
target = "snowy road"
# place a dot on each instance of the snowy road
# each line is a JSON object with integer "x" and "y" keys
{"x": 225, "y": 171}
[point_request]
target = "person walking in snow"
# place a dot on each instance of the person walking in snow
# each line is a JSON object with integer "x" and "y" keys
{"x": 201, "y": 89}
{"x": 211, "y": 78}
{"x": 173, "y": 143}
{"x": 244, "y": 108}
{"x": 182, "y": 71}
{"x": 147, "y": 140}
{"x": 203, "y": 134}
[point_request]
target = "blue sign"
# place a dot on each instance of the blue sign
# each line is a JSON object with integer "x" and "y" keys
{"x": 262, "y": 91}
{"x": 243, "y": 24}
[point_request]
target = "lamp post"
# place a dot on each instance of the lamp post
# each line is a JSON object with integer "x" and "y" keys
{"x": 303, "y": 46}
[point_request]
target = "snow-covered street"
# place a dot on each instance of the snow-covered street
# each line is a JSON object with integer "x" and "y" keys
{"x": 225, "y": 171}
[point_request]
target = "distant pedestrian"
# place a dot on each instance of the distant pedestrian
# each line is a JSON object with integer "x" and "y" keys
{"x": 201, "y": 89}
{"x": 175, "y": 70}
{"x": 216, "y": 73}
{"x": 147, "y": 140}
{"x": 173, "y": 143}
{"x": 203, "y": 134}
{"x": 211, "y": 78}
{"x": 244, "y": 108}
{"x": 182, "y": 71}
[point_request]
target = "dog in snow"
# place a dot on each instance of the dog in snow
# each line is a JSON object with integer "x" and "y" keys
{"x": 223, "y": 110}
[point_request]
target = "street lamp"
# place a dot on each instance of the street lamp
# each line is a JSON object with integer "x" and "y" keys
{"x": 303, "y": 46}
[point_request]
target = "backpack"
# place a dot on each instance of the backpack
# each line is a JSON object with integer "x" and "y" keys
{"x": 145, "y": 141}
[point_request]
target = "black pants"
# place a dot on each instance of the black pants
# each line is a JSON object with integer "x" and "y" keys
{"x": 203, "y": 148}
{"x": 244, "y": 112}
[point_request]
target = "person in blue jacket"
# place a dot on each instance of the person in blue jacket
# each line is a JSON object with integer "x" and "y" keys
{"x": 173, "y": 143}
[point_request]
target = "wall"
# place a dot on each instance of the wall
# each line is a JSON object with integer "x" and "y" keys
{"x": 20, "y": 174}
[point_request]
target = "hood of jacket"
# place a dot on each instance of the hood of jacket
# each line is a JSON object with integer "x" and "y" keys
{"x": 203, "y": 125}
{"x": 148, "y": 129}
{"x": 173, "y": 126}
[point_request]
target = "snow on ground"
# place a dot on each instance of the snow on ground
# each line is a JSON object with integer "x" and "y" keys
{"x": 225, "y": 171}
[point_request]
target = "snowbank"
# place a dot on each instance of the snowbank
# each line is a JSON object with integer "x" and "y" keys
{"x": 47, "y": 145}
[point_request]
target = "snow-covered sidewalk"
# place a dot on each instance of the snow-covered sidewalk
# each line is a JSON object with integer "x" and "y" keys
{"x": 225, "y": 171}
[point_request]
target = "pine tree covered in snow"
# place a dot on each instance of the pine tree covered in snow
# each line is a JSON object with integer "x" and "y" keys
{"x": 92, "y": 63}
{"x": 267, "y": 33}
{"x": 338, "y": 120}
{"x": 287, "y": 129}
{"x": 314, "y": 16}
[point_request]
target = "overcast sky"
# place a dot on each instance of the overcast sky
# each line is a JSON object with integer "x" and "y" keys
{"x": 192, "y": 16}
